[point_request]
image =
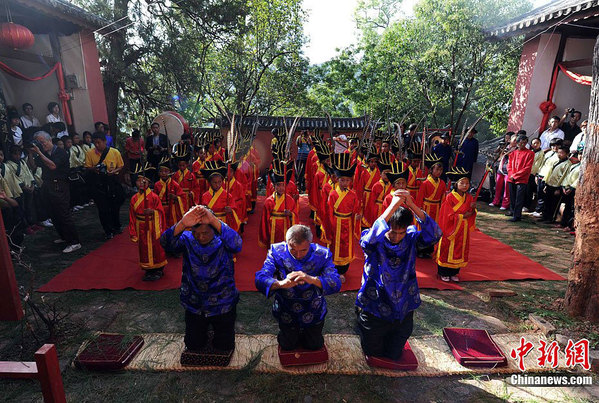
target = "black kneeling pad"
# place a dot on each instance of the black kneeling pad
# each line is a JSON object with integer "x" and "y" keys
{"x": 207, "y": 357}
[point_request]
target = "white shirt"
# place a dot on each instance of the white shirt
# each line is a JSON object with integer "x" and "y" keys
{"x": 26, "y": 122}
{"x": 341, "y": 144}
{"x": 579, "y": 137}
{"x": 549, "y": 135}
{"x": 53, "y": 119}
{"x": 17, "y": 135}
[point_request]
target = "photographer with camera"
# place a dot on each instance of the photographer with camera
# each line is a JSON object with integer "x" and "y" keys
{"x": 54, "y": 162}
{"x": 103, "y": 164}
{"x": 570, "y": 126}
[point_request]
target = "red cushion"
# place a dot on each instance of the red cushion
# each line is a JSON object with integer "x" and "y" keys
{"x": 302, "y": 356}
{"x": 474, "y": 348}
{"x": 109, "y": 352}
{"x": 407, "y": 362}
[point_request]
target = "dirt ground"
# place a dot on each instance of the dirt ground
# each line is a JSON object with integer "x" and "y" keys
{"x": 80, "y": 313}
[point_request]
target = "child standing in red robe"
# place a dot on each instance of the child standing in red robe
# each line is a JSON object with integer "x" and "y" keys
{"x": 279, "y": 211}
{"x": 416, "y": 173}
{"x": 237, "y": 192}
{"x": 369, "y": 177}
{"x": 170, "y": 194}
{"x": 216, "y": 197}
{"x": 431, "y": 194}
{"x": 186, "y": 179}
{"x": 146, "y": 223}
{"x": 196, "y": 166}
{"x": 380, "y": 190}
{"x": 398, "y": 177}
{"x": 342, "y": 214}
{"x": 457, "y": 220}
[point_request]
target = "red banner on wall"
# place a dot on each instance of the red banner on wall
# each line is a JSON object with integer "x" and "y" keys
{"x": 579, "y": 78}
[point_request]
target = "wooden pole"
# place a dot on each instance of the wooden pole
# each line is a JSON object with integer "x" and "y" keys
{"x": 49, "y": 374}
{"x": 10, "y": 302}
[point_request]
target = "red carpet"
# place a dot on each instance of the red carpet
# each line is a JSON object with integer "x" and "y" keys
{"x": 114, "y": 266}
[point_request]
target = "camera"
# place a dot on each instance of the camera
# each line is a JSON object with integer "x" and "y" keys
{"x": 30, "y": 144}
{"x": 571, "y": 110}
{"x": 102, "y": 169}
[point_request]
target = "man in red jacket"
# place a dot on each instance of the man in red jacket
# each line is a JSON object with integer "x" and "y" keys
{"x": 518, "y": 169}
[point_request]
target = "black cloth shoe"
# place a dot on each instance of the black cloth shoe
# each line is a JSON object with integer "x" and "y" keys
{"x": 514, "y": 219}
{"x": 509, "y": 214}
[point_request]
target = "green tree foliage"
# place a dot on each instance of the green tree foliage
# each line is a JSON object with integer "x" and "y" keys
{"x": 244, "y": 55}
{"x": 438, "y": 67}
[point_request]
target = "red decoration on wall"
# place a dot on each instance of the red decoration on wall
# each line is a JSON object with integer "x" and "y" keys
{"x": 15, "y": 36}
{"x": 62, "y": 93}
{"x": 578, "y": 78}
{"x": 547, "y": 107}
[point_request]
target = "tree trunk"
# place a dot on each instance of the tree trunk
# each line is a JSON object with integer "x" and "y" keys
{"x": 582, "y": 296}
{"x": 115, "y": 68}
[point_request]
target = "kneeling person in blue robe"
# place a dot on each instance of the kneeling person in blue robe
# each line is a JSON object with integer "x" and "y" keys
{"x": 208, "y": 291}
{"x": 389, "y": 292}
{"x": 299, "y": 274}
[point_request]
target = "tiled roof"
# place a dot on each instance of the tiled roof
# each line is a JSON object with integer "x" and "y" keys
{"x": 70, "y": 12}
{"x": 556, "y": 12}
{"x": 305, "y": 123}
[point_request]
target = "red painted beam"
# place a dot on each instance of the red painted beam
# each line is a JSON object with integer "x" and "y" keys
{"x": 16, "y": 369}
{"x": 49, "y": 374}
{"x": 10, "y": 302}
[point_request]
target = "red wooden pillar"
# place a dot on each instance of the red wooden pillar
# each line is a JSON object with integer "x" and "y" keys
{"x": 10, "y": 302}
{"x": 49, "y": 376}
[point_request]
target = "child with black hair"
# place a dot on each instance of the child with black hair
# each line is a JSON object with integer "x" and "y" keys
{"x": 549, "y": 162}
{"x": 457, "y": 220}
{"x": 553, "y": 182}
{"x": 568, "y": 191}
{"x": 389, "y": 292}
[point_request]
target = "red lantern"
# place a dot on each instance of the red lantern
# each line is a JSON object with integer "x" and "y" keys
{"x": 15, "y": 36}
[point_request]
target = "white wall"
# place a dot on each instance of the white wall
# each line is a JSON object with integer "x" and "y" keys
{"x": 541, "y": 81}
{"x": 569, "y": 94}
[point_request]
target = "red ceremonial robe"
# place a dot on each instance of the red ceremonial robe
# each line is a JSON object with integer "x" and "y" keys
{"x": 217, "y": 201}
{"x": 174, "y": 209}
{"x": 312, "y": 166}
{"x": 201, "y": 182}
{"x": 430, "y": 197}
{"x": 274, "y": 224}
{"x": 237, "y": 192}
{"x": 145, "y": 230}
{"x": 357, "y": 184}
{"x": 374, "y": 208}
{"x": 244, "y": 175}
{"x": 413, "y": 182}
{"x": 342, "y": 226}
{"x": 453, "y": 247}
{"x": 214, "y": 157}
{"x": 254, "y": 160}
{"x": 320, "y": 178}
{"x": 186, "y": 179}
{"x": 368, "y": 179}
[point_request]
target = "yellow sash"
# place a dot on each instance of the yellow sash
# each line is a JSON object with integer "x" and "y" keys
{"x": 182, "y": 174}
{"x": 432, "y": 182}
{"x": 141, "y": 198}
{"x": 164, "y": 187}
{"x": 341, "y": 194}
{"x": 370, "y": 179}
{"x": 215, "y": 196}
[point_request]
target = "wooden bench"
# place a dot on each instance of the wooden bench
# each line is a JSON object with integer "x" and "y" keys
{"x": 45, "y": 369}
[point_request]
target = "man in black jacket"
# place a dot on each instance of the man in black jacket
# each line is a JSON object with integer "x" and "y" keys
{"x": 54, "y": 162}
{"x": 157, "y": 146}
